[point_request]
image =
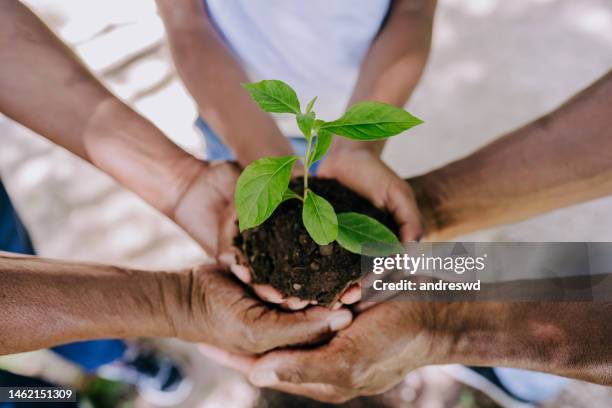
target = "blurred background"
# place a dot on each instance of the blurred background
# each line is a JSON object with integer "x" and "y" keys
{"x": 494, "y": 65}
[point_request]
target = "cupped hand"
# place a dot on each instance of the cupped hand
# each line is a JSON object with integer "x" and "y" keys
{"x": 234, "y": 258}
{"x": 363, "y": 171}
{"x": 206, "y": 204}
{"x": 369, "y": 357}
{"x": 231, "y": 256}
{"x": 216, "y": 309}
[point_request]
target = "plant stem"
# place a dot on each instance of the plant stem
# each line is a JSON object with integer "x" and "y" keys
{"x": 307, "y": 164}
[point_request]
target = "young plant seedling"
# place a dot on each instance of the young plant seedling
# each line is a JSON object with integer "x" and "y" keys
{"x": 264, "y": 184}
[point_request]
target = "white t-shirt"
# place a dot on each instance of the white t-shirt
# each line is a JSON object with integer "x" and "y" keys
{"x": 316, "y": 46}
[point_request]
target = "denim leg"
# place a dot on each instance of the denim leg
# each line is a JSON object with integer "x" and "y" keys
{"x": 13, "y": 235}
{"x": 92, "y": 354}
{"x": 217, "y": 150}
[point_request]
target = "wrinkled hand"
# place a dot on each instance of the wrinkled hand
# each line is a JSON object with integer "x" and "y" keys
{"x": 207, "y": 203}
{"x": 368, "y": 358}
{"x": 371, "y": 356}
{"x": 214, "y": 308}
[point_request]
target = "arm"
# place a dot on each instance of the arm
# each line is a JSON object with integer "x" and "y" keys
{"x": 540, "y": 336}
{"x": 388, "y": 74}
{"x": 44, "y": 303}
{"x": 387, "y": 341}
{"x": 213, "y": 77}
{"x": 561, "y": 159}
{"x": 46, "y": 88}
{"x": 394, "y": 62}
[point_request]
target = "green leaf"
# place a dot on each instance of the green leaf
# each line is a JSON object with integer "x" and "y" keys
{"x": 356, "y": 230}
{"x": 319, "y": 219}
{"x": 260, "y": 189}
{"x": 305, "y": 123}
{"x": 290, "y": 194}
{"x": 324, "y": 139}
{"x": 311, "y": 104}
{"x": 372, "y": 121}
{"x": 274, "y": 96}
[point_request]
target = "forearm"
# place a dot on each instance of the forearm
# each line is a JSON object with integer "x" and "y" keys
{"x": 46, "y": 88}
{"x": 561, "y": 159}
{"x": 568, "y": 339}
{"x": 395, "y": 62}
{"x": 45, "y": 302}
{"x": 214, "y": 77}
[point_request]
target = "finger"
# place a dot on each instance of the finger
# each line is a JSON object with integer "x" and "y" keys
{"x": 268, "y": 294}
{"x": 403, "y": 207}
{"x": 228, "y": 230}
{"x": 320, "y": 392}
{"x": 295, "y": 303}
{"x": 299, "y": 367}
{"x": 278, "y": 328}
{"x": 227, "y": 258}
{"x": 337, "y": 306}
{"x": 352, "y": 295}
{"x": 242, "y": 272}
{"x": 364, "y": 305}
{"x": 224, "y": 358}
{"x": 233, "y": 257}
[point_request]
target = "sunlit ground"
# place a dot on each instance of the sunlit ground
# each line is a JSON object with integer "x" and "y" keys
{"x": 495, "y": 65}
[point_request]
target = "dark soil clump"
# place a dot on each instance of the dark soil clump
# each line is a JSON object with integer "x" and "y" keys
{"x": 283, "y": 255}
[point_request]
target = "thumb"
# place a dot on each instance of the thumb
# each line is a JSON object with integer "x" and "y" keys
{"x": 402, "y": 205}
{"x": 285, "y": 328}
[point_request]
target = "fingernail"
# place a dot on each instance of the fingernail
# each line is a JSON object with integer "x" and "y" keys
{"x": 242, "y": 273}
{"x": 339, "y": 320}
{"x": 353, "y": 296}
{"x": 263, "y": 378}
{"x": 296, "y": 304}
{"x": 268, "y": 293}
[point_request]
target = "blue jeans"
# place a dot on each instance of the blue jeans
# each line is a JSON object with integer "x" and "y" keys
{"x": 14, "y": 238}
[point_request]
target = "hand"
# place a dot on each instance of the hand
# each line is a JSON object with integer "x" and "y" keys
{"x": 364, "y": 172}
{"x": 213, "y": 308}
{"x": 234, "y": 258}
{"x": 371, "y": 356}
{"x": 206, "y": 206}
{"x": 372, "y": 179}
